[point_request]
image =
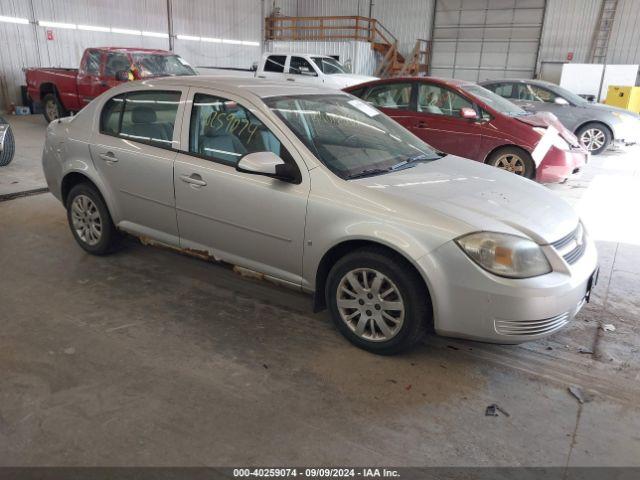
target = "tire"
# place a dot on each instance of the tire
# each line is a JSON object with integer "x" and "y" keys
{"x": 52, "y": 109}
{"x": 595, "y": 137}
{"x": 514, "y": 160}
{"x": 6, "y": 155}
{"x": 360, "y": 317}
{"x": 90, "y": 221}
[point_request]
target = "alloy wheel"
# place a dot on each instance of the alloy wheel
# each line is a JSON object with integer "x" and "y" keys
{"x": 370, "y": 304}
{"x": 86, "y": 220}
{"x": 593, "y": 139}
{"x": 511, "y": 163}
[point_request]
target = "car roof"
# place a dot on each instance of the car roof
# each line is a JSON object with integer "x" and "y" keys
{"x": 541, "y": 83}
{"x": 262, "y": 88}
{"x": 451, "y": 82}
{"x": 134, "y": 50}
{"x": 297, "y": 54}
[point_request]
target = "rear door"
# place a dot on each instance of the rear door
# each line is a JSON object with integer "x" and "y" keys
{"x": 134, "y": 153}
{"x": 253, "y": 221}
{"x": 394, "y": 99}
{"x": 437, "y": 121}
{"x": 89, "y": 76}
{"x": 273, "y": 67}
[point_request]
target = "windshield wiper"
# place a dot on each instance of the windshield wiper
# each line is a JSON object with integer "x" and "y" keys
{"x": 369, "y": 172}
{"x": 415, "y": 159}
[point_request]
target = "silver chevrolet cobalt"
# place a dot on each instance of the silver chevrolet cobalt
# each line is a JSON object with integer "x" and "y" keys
{"x": 318, "y": 190}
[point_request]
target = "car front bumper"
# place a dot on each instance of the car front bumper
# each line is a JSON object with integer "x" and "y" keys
{"x": 470, "y": 302}
{"x": 627, "y": 132}
{"x": 559, "y": 165}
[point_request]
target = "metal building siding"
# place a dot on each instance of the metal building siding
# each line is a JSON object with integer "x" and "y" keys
{"x": 223, "y": 19}
{"x": 624, "y": 43}
{"x": 569, "y": 27}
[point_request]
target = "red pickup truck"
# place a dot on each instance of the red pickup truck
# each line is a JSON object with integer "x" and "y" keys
{"x": 65, "y": 90}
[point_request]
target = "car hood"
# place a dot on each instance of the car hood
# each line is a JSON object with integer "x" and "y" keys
{"x": 547, "y": 119}
{"x": 485, "y": 198}
{"x": 601, "y": 107}
{"x": 344, "y": 80}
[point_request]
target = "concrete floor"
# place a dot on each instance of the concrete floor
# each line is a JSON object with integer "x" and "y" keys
{"x": 148, "y": 357}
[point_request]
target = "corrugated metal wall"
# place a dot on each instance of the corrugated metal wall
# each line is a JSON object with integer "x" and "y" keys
{"x": 624, "y": 44}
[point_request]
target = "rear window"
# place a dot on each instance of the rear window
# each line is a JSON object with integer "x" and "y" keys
{"x": 147, "y": 117}
{"x": 275, "y": 63}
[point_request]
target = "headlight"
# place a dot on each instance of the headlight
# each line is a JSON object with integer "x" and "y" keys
{"x": 557, "y": 142}
{"x": 505, "y": 255}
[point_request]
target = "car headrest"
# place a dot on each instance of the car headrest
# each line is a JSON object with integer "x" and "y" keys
{"x": 143, "y": 114}
{"x": 210, "y": 131}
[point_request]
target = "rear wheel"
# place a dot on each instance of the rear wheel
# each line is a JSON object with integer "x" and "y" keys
{"x": 90, "y": 221}
{"x": 378, "y": 302}
{"x": 52, "y": 109}
{"x": 595, "y": 137}
{"x": 514, "y": 160}
{"x": 6, "y": 155}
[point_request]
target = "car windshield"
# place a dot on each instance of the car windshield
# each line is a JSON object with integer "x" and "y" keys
{"x": 328, "y": 65}
{"x": 349, "y": 136}
{"x": 493, "y": 100}
{"x": 151, "y": 65}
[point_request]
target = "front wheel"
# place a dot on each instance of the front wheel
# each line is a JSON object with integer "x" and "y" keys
{"x": 595, "y": 137}
{"x": 9, "y": 146}
{"x": 514, "y": 160}
{"x": 379, "y": 303}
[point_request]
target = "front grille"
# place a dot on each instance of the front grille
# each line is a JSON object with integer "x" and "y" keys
{"x": 572, "y": 247}
{"x": 531, "y": 327}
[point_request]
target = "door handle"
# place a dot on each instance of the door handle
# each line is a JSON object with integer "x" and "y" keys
{"x": 108, "y": 157}
{"x": 262, "y": 76}
{"x": 291, "y": 79}
{"x": 421, "y": 124}
{"x": 193, "y": 179}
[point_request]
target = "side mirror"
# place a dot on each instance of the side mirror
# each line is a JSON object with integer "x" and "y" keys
{"x": 468, "y": 113}
{"x": 122, "y": 75}
{"x": 560, "y": 101}
{"x": 268, "y": 164}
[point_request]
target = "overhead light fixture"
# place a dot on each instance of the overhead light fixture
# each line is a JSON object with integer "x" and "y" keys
{"x": 155, "y": 34}
{"x": 23, "y": 21}
{"x": 211, "y": 40}
{"x": 92, "y": 28}
{"x": 126, "y": 31}
{"x": 188, "y": 37}
{"x": 251, "y": 44}
{"x": 42, "y": 23}
{"x": 233, "y": 42}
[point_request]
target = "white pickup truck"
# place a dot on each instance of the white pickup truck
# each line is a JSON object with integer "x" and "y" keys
{"x": 308, "y": 68}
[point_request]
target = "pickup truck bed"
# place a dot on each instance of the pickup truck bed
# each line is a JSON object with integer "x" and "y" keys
{"x": 61, "y": 81}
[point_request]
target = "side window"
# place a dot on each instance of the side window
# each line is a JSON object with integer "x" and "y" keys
{"x": 92, "y": 66}
{"x": 147, "y": 117}
{"x": 506, "y": 90}
{"x": 440, "y": 101}
{"x": 300, "y": 66}
{"x": 225, "y": 131}
{"x": 390, "y": 95}
{"x": 110, "y": 116}
{"x": 539, "y": 94}
{"x": 275, "y": 63}
{"x": 115, "y": 63}
{"x": 358, "y": 92}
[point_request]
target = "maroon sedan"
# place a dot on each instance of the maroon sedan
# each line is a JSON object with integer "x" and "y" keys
{"x": 465, "y": 119}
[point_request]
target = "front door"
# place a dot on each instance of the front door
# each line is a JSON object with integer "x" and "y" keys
{"x": 247, "y": 220}
{"x": 300, "y": 70}
{"x": 437, "y": 121}
{"x": 134, "y": 153}
{"x": 89, "y": 77}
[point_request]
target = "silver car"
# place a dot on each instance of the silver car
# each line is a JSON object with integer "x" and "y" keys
{"x": 596, "y": 125}
{"x": 318, "y": 190}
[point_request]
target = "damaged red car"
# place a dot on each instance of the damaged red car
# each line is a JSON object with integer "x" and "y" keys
{"x": 462, "y": 118}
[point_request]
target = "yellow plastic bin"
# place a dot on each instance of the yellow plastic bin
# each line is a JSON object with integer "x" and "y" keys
{"x": 624, "y": 97}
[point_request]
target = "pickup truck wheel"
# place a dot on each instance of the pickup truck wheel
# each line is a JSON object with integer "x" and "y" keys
{"x": 514, "y": 160}
{"x": 90, "y": 221}
{"x": 6, "y": 155}
{"x": 377, "y": 302}
{"x": 595, "y": 137}
{"x": 52, "y": 108}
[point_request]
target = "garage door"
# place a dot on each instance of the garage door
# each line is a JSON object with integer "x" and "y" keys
{"x": 486, "y": 39}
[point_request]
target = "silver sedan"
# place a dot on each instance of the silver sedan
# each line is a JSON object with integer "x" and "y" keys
{"x": 320, "y": 191}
